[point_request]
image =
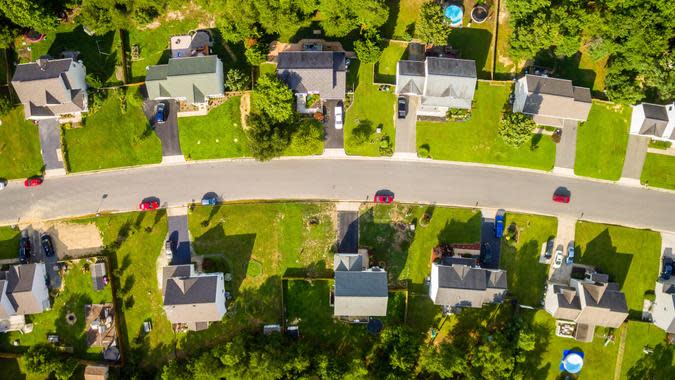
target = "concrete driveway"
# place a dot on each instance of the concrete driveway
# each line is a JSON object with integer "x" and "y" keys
{"x": 348, "y": 231}
{"x": 167, "y": 131}
{"x": 566, "y": 150}
{"x": 406, "y": 131}
{"x": 564, "y": 236}
{"x": 333, "y": 138}
{"x": 636, "y": 152}
{"x": 38, "y": 256}
{"x": 50, "y": 144}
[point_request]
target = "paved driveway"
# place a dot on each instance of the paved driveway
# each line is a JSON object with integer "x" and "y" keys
{"x": 179, "y": 235}
{"x": 565, "y": 151}
{"x": 167, "y": 131}
{"x": 50, "y": 144}
{"x": 333, "y": 138}
{"x": 564, "y": 236}
{"x": 38, "y": 256}
{"x": 348, "y": 231}
{"x": 490, "y": 246}
{"x": 406, "y": 130}
{"x": 636, "y": 152}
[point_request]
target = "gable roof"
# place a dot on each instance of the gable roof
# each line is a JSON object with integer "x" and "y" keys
{"x": 555, "y": 98}
{"x": 361, "y": 293}
{"x": 347, "y": 262}
{"x": 191, "y": 78}
{"x": 453, "y": 67}
{"x": 459, "y": 284}
{"x": 322, "y": 72}
{"x": 19, "y": 282}
{"x": 190, "y": 298}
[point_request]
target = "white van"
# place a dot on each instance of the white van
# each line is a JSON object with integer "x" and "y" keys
{"x": 338, "y": 117}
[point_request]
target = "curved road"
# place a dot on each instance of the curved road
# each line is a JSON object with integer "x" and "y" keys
{"x": 339, "y": 179}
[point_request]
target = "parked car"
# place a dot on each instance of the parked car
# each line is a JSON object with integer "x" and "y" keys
{"x": 549, "y": 249}
{"x": 561, "y": 198}
{"x": 499, "y": 225}
{"x": 24, "y": 250}
{"x": 160, "y": 113}
{"x": 558, "y": 260}
{"x": 148, "y": 205}
{"x": 47, "y": 245}
{"x": 210, "y": 201}
{"x": 402, "y": 107}
{"x": 3, "y": 184}
{"x": 570, "y": 253}
{"x": 383, "y": 198}
{"x": 338, "y": 116}
{"x": 34, "y": 181}
{"x": 667, "y": 271}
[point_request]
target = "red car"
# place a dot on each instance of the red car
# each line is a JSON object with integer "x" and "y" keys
{"x": 561, "y": 198}
{"x": 386, "y": 199}
{"x": 148, "y": 205}
{"x": 30, "y": 182}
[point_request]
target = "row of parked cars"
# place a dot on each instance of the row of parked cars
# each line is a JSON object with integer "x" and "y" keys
{"x": 559, "y": 257}
{"x": 26, "y": 248}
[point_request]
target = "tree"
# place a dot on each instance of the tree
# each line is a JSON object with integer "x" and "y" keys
{"x": 236, "y": 80}
{"x": 43, "y": 359}
{"x": 369, "y": 48}
{"x": 267, "y": 138}
{"x": 516, "y": 128}
{"x": 432, "y": 27}
{"x": 655, "y": 365}
{"x": 447, "y": 362}
{"x": 341, "y": 17}
{"x": 5, "y": 105}
{"x": 395, "y": 354}
{"x": 256, "y": 53}
{"x": 307, "y": 137}
{"x": 272, "y": 97}
{"x": 34, "y": 14}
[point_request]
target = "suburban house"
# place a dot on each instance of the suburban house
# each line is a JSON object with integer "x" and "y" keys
{"x": 654, "y": 120}
{"x": 589, "y": 300}
{"x": 191, "y": 299}
{"x": 23, "y": 290}
{"x": 50, "y": 88}
{"x": 190, "y": 79}
{"x": 442, "y": 83}
{"x": 551, "y": 101}
{"x": 322, "y": 73}
{"x": 663, "y": 309}
{"x": 458, "y": 282}
{"x": 359, "y": 292}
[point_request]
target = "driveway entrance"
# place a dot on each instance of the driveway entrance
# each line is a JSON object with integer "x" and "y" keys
{"x": 565, "y": 152}
{"x": 333, "y": 138}
{"x": 636, "y": 152}
{"x": 167, "y": 131}
{"x": 406, "y": 131}
{"x": 50, "y": 144}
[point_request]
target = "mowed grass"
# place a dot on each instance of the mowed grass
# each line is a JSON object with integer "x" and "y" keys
{"x": 216, "y": 135}
{"x": 385, "y": 68}
{"x": 602, "y": 141}
{"x": 77, "y": 292}
{"x": 403, "y": 15}
{"x": 371, "y": 109}
{"x": 641, "y": 335}
{"x": 505, "y": 66}
{"x": 111, "y": 137}
{"x": 9, "y": 242}
{"x": 475, "y": 43}
{"x": 629, "y": 256}
{"x": 477, "y": 140}
{"x": 659, "y": 171}
{"x": 20, "y": 155}
{"x": 526, "y": 276}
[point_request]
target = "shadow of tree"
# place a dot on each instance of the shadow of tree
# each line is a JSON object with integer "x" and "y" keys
{"x": 474, "y": 43}
{"x": 363, "y": 132}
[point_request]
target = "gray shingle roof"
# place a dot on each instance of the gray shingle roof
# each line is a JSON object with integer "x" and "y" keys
{"x": 467, "y": 286}
{"x": 49, "y": 69}
{"x": 322, "y": 72}
{"x": 291, "y": 60}
{"x": 451, "y": 67}
{"x": 192, "y": 299}
{"x": 411, "y": 68}
{"x": 655, "y": 111}
{"x": 555, "y": 98}
{"x": 19, "y": 289}
{"x": 361, "y": 293}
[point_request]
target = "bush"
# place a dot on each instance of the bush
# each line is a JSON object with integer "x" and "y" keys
{"x": 5, "y": 105}
{"x": 658, "y": 144}
{"x": 516, "y": 128}
{"x": 458, "y": 114}
{"x": 423, "y": 151}
{"x": 256, "y": 54}
{"x": 236, "y": 80}
{"x": 385, "y": 146}
{"x": 369, "y": 48}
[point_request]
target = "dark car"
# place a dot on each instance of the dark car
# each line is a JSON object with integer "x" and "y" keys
{"x": 667, "y": 269}
{"x": 402, "y": 107}
{"x": 47, "y": 245}
{"x": 24, "y": 250}
{"x": 160, "y": 113}
{"x": 549, "y": 249}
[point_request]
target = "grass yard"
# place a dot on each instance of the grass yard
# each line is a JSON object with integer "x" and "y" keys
{"x": 99, "y": 53}
{"x": 602, "y": 141}
{"x": 385, "y": 68}
{"x": 77, "y": 293}
{"x": 475, "y": 41}
{"x": 505, "y": 67}
{"x": 640, "y": 335}
{"x": 307, "y": 140}
{"x": 403, "y": 15}
{"x": 580, "y": 68}
{"x": 9, "y": 242}
{"x": 629, "y": 256}
{"x": 526, "y": 276}
{"x": 16, "y": 369}
{"x": 476, "y": 140}
{"x": 111, "y": 137}
{"x": 216, "y": 135}
{"x": 371, "y": 109}
{"x": 267, "y": 68}
{"x": 20, "y": 155}
{"x": 659, "y": 171}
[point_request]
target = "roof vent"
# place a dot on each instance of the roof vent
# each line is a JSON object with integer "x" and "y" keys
{"x": 42, "y": 63}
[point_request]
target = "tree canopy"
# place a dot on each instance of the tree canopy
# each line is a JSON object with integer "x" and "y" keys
{"x": 516, "y": 128}
{"x": 431, "y": 26}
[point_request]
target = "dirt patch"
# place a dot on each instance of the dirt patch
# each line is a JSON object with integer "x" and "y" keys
{"x": 72, "y": 239}
{"x": 245, "y": 108}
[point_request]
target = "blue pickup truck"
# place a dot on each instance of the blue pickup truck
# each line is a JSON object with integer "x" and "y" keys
{"x": 499, "y": 225}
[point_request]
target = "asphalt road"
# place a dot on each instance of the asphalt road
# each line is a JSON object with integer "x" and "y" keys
{"x": 354, "y": 179}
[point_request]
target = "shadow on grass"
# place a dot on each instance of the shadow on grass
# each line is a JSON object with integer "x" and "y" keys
{"x": 473, "y": 43}
{"x": 390, "y": 25}
{"x": 74, "y": 335}
{"x": 602, "y": 254}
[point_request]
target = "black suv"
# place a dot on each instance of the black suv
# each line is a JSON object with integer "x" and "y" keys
{"x": 47, "y": 245}
{"x": 24, "y": 250}
{"x": 402, "y": 107}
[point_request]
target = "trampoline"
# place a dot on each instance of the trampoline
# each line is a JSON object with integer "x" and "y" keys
{"x": 454, "y": 14}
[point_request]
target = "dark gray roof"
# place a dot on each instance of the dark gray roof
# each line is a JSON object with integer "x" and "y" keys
{"x": 411, "y": 68}
{"x": 371, "y": 283}
{"x": 550, "y": 86}
{"x": 451, "y": 67}
{"x": 290, "y": 60}
{"x": 175, "y": 271}
{"x": 47, "y": 69}
{"x": 567, "y": 297}
{"x": 655, "y": 111}
{"x": 190, "y": 290}
{"x": 582, "y": 94}
{"x": 322, "y": 72}
{"x": 156, "y": 72}
{"x": 97, "y": 274}
{"x": 20, "y": 278}
{"x": 465, "y": 277}
{"x": 606, "y": 296}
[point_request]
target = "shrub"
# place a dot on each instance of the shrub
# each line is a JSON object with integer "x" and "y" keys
{"x": 423, "y": 151}
{"x": 369, "y": 48}
{"x": 236, "y": 80}
{"x": 516, "y": 128}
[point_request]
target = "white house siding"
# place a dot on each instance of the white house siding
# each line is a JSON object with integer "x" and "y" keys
{"x": 636, "y": 119}
{"x": 520, "y": 93}
{"x": 40, "y": 291}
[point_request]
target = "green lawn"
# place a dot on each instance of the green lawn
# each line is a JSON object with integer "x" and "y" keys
{"x": 602, "y": 141}
{"x": 20, "y": 155}
{"x": 371, "y": 109}
{"x": 475, "y": 42}
{"x": 15, "y": 369}
{"x": 111, "y": 137}
{"x": 301, "y": 142}
{"x": 476, "y": 140}
{"x": 505, "y": 67}
{"x": 640, "y": 335}
{"x": 9, "y": 242}
{"x": 526, "y": 276}
{"x": 77, "y": 293}
{"x": 403, "y": 15}
{"x": 583, "y": 71}
{"x": 216, "y": 135}
{"x": 659, "y": 171}
{"x": 267, "y": 68}
{"x": 99, "y": 53}
{"x": 385, "y": 68}
{"x": 629, "y": 256}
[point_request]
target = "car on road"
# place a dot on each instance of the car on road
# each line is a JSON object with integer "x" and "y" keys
{"x": 24, "y": 250}
{"x": 33, "y": 181}
{"x": 549, "y": 249}
{"x": 211, "y": 201}
{"x": 47, "y": 245}
{"x": 558, "y": 260}
{"x": 570, "y": 254}
{"x": 402, "y": 107}
{"x": 338, "y": 116}
{"x": 383, "y": 198}
{"x": 561, "y": 198}
{"x": 148, "y": 205}
{"x": 160, "y": 113}
{"x": 3, "y": 184}
{"x": 499, "y": 225}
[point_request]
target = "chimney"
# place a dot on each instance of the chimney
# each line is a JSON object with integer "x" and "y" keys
{"x": 42, "y": 63}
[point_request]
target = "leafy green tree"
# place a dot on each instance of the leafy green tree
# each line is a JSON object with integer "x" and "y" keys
{"x": 446, "y": 362}
{"x": 43, "y": 359}
{"x": 34, "y": 14}
{"x": 272, "y": 97}
{"x": 256, "y": 53}
{"x": 516, "y": 128}
{"x": 369, "y": 48}
{"x": 8, "y": 32}
{"x": 655, "y": 365}
{"x": 236, "y": 80}
{"x": 5, "y": 105}
{"x": 431, "y": 26}
{"x": 308, "y": 137}
{"x": 267, "y": 139}
{"x": 395, "y": 354}
{"x": 341, "y": 17}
